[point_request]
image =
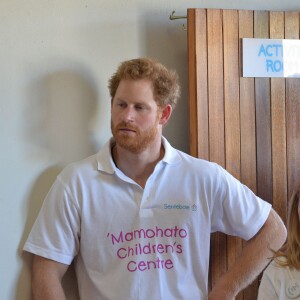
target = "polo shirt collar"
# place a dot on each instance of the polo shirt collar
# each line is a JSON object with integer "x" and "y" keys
{"x": 106, "y": 164}
{"x": 171, "y": 154}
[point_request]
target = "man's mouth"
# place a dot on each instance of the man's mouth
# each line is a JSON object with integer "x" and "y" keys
{"x": 127, "y": 130}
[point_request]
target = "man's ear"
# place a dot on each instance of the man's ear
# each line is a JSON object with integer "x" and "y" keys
{"x": 166, "y": 113}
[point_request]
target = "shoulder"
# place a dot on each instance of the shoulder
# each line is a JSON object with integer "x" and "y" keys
{"x": 100, "y": 161}
{"x": 79, "y": 169}
{"x": 274, "y": 268}
{"x": 194, "y": 170}
{"x": 177, "y": 158}
{"x": 272, "y": 282}
{"x": 201, "y": 168}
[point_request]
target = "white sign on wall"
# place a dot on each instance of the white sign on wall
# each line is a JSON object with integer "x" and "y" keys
{"x": 271, "y": 58}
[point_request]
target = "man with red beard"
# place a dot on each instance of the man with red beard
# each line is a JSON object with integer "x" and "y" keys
{"x": 136, "y": 124}
{"x": 136, "y": 217}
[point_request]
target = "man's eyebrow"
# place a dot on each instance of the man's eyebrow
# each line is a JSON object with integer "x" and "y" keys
{"x": 120, "y": 99}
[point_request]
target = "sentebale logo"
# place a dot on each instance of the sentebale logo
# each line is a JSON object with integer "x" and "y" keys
{"x": 180, "y": 206}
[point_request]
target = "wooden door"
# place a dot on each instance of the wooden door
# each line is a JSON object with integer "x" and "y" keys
{"x": 250, "y": 126}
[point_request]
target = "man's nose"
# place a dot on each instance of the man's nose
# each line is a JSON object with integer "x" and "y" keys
{"x": 128, "y": 114}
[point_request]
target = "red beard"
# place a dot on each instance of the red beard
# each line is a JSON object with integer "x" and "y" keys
{"x": 136, "y": 142}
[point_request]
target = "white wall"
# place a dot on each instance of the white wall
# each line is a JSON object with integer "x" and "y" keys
{"x": 55, "y": 59}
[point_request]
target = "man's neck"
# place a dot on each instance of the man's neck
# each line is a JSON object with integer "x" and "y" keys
{"x": 138, "y": 166}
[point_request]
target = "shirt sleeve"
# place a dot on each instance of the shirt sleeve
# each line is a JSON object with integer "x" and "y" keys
{"x": 56, "y": 231}
{"x": 237, "y": 210}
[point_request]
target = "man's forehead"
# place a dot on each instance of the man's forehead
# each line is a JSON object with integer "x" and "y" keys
{"x": 135, "y": 90}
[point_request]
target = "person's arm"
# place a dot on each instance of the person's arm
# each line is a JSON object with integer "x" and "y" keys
{"x": 253, "y": 259}
{"x": 46, "y": 279}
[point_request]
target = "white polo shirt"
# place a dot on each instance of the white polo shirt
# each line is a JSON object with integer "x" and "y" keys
{"x": 135, "y": 243}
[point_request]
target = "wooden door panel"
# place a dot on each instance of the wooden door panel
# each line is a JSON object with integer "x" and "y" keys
{"x": 292, "y": 110}
{"x": 215, "y": 87}
{"x": 278, "y": 121}
{"x": 250, "y": 126}
{"x": 232, "y": 113}
{"x": 247, "y": 109}
{"x": 263, "y": 118}
{"x": 198, "y": 83}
